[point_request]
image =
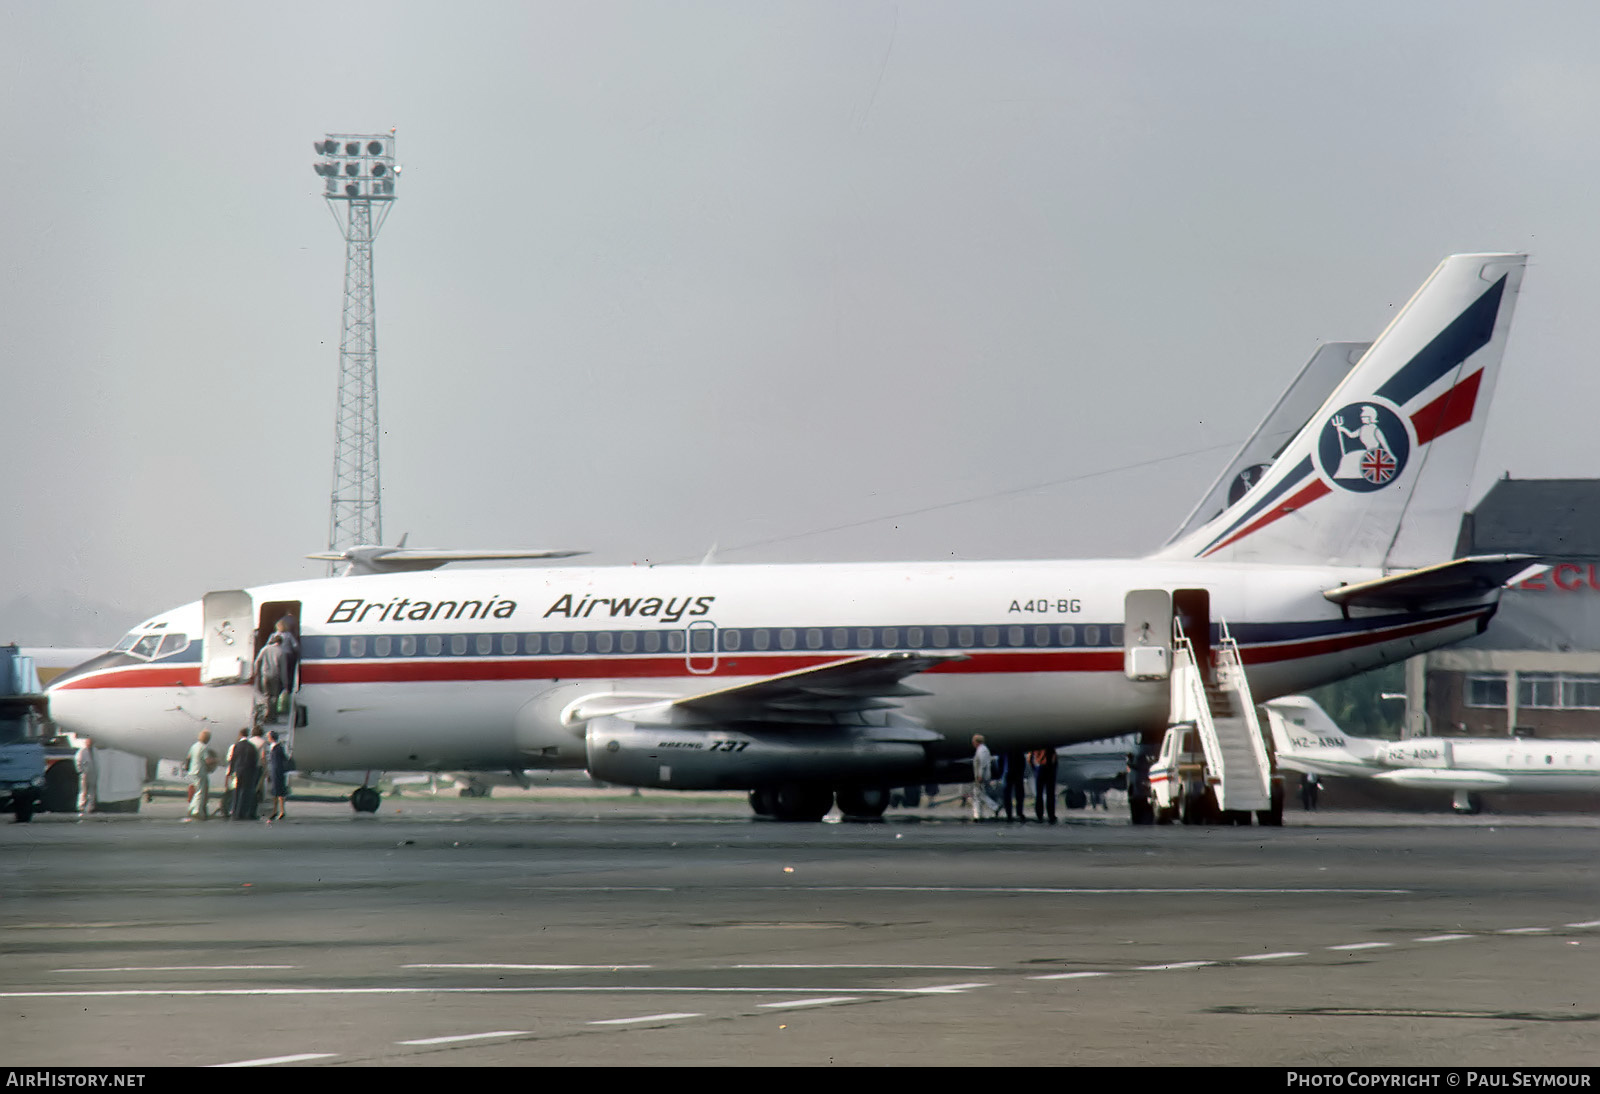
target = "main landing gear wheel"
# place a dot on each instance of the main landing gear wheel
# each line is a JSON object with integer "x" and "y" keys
{"x": 863, "y": 802}
{"x": 365, "y": 799}
{"x": 799, "y": 802}
{"x": 761, "y": 803}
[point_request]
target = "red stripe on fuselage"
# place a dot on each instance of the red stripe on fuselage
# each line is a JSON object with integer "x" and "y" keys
{"x": 136, "y": 676}
{"x": 619, "y": 668}
{"x": 1289, "y": 651}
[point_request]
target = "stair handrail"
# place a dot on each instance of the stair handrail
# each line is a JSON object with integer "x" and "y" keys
{"x": 1230, "y": 669}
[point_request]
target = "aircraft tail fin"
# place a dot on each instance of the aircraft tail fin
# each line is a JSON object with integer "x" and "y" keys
{"x": 1379, "y": 474}
{"x": 1305, "y": 738}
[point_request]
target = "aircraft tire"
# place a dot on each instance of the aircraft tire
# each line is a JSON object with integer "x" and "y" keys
{"x": 761, "y": 803}
{"x": 1193, "y": 810}
{"x": 365, "y": 799}
{"x": 22, "y": 807}
{"x": 863, "y": 802}
{"x": 60, "y": 793}
{"x": 801, "y": 802}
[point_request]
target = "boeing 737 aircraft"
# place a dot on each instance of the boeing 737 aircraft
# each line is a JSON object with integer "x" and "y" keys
{"x": 1306, "y": 739}
{"x": 810, "y": 684}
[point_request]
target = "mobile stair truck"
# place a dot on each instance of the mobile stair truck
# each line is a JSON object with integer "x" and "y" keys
{"x": 1214, "y": 766}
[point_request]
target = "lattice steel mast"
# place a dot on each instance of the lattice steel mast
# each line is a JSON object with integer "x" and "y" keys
{"x": 360, "y": 171}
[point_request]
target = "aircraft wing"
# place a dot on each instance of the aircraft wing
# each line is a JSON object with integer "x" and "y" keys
{"x": 820, "y": 695}
{"x": 396, "y": 560}
{"x": 1448, "y": 778}
{"x": 1454, "y": 580}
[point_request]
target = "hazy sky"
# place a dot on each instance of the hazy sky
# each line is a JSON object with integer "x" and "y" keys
{"x": 664, "y": 275}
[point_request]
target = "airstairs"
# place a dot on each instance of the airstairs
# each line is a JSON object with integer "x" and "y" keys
{"x": 1238, "y": 767}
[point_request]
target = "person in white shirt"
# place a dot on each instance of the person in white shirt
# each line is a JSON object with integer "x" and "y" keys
{"x": 982, "y": 763}
{"x": 88, "y": 777}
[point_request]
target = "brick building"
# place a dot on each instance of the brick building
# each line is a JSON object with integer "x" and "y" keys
{"x": 1536, "y": 671}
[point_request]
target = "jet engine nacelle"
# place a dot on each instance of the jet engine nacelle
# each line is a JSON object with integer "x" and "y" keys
{"x": 700, "y": 759}
{"x": 1419, "y": 752}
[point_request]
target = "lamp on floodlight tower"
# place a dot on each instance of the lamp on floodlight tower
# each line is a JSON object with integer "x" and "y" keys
{"x": 359, "y": 173}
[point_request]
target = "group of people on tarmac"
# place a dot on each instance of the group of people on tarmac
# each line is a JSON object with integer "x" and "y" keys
{"x": 258, "y": 768}
{"x": 1015, "y": 765}
{"x": 258, "y": 762}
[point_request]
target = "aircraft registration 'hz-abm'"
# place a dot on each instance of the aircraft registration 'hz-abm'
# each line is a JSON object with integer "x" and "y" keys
{"x": 807, "y": 684}
{"x": 1307, "y": 740}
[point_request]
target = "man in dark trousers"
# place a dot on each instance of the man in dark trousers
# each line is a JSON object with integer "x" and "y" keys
{"x": 1016, "y": 781}
{"x": 1044, "y": 783}
{"x": 243, "y": 761}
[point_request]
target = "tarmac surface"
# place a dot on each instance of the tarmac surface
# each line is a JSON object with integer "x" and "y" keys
{"x": 599, "y": 928}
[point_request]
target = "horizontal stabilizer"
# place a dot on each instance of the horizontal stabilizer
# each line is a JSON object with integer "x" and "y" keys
{"x": 1455, "y": 580}
{"x": 401, "y": 560}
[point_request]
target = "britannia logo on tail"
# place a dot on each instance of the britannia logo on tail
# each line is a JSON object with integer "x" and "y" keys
{"x": 1364, "y": 447}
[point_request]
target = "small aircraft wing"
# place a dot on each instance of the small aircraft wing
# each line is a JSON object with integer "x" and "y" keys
{"x": 1454, "y": 778}
{"x": 1462, "y": 577}
{"x": 397, "y": 560}
{"x": 819, "y": 695}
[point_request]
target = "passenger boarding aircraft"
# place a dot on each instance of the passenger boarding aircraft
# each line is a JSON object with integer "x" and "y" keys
{"x": 807, "y": 684}
{"x": 1306, "y": 739}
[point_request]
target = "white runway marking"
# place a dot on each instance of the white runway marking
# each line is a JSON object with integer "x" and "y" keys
{"x": 466, "y": 1037}
{"x": 532, "y": 968}
{"x": 1069, "y": 976}
{"x": 181, "y": 968}
{"x": 942, "y": 968}
{"x": 594, "y": 989}
{"x": 1585, "y": 923}
{"x": 1072, "y": 892}
{"x": 1362, "y": 946}
{"x": 1173, "y": 965}
{"x": 1270, "y": 956}
{"x": 824, "y": 1001}
{"x": 268, "y": 1061}
{"x": 1524, "y": 930}
{"x": 672, "y": 1017}
{"x": 1442, "y": 938}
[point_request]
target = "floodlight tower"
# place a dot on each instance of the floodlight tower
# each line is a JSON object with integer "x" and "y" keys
{"x": 359, "y": 171}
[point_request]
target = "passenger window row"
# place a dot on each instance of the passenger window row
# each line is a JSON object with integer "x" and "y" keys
{"x": 728, "y": 640}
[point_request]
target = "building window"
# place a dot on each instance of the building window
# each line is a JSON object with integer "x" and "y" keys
{"x": 1538, "y": 690}
{"x": 1580, "y": 692}
{"x": 1486, "y": 689}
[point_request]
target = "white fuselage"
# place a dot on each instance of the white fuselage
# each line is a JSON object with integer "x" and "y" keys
{"x": 1307, "y": 740}
{"x": 478, "y": 669}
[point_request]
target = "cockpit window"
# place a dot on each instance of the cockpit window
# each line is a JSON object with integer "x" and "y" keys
{"x": 127, "y": 642}
{"x": 172, "y": 643}
{"x": 146, "y": 646}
